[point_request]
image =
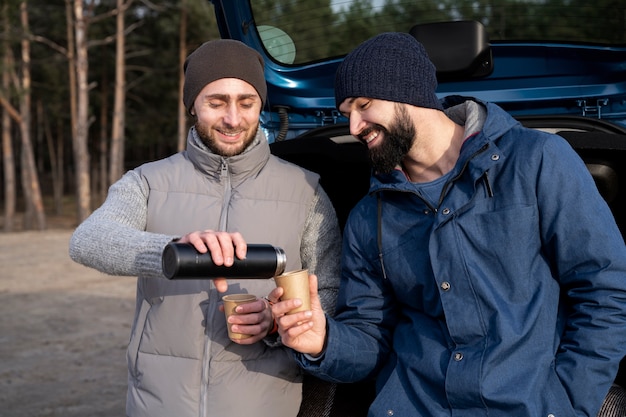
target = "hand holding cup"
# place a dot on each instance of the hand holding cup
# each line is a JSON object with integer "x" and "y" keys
{"x": 231, "y": 302}
{"x": 295, "y": 284}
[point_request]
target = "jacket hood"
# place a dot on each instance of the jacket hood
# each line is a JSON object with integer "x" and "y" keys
{"x": 497, "y": 121}
{"x": 496, "y": 124}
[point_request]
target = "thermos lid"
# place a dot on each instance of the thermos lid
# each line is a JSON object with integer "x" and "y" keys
{"x": 176, "y": 255}
{"x": 281, "y": 260}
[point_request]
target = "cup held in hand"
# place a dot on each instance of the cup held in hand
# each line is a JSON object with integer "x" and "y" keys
{"x": 231, "y": 302}
{"x": 295, "y": 284}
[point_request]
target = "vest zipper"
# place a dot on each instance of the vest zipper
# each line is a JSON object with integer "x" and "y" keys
{"x": 206, "y": 363}
{"x": 225, "y": 180}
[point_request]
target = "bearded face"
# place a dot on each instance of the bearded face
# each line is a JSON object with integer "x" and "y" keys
{"x": 397, "y": 141}
{"x": 218, "y": 147}
{"x": 227, "y": 115}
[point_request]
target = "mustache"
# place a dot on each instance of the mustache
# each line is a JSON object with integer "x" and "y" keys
{"x": 231, "y": 129}
{"x": 368, "y": 130}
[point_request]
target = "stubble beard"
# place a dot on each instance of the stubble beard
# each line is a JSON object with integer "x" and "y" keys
{"x": 204, "y": 133}
{"x": 397, "y": 141}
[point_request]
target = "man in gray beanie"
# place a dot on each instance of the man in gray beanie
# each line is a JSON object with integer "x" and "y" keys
{"x": 225, "y": 58}
{"x": 223, "y": 191}
{"x": 483, "y": 273}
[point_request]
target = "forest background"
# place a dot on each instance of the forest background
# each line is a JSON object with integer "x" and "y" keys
{"x": 87, "y": 90}
{"x": 91, "y": 88}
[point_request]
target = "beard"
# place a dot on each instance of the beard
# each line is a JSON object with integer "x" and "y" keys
{"x": 397, "y": 141}
{"x": 204, "y": 133}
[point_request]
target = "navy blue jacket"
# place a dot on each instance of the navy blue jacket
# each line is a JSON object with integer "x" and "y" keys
{"x": 506, "y": 299}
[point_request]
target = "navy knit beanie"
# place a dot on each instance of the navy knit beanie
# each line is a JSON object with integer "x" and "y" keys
{"x": 222, "y": 58}
{"x": 390, "y": 66}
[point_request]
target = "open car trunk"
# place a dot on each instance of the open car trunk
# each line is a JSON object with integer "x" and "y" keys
{"x": 576, "y": 89}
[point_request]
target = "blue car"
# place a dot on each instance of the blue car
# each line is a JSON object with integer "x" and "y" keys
{"x": 555, "y": 65}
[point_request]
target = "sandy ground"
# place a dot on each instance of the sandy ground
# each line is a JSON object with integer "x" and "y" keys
{"x": 63, "y": 331}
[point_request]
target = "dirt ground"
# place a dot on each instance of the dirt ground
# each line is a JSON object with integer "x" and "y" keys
{"x": 63, "y": 331}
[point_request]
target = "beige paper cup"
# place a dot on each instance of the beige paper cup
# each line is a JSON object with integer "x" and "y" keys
{"x": 231, "y": 302}
{"x": 295, "y": 284}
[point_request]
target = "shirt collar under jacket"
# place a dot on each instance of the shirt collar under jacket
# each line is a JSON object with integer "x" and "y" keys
{"x": 473, "y": 157}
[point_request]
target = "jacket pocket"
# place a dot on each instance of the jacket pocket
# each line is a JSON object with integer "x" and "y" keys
{"x": 170, "y": 326}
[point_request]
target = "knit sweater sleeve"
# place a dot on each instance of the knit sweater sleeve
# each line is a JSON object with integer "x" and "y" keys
{"x": 321, "y": 248}
{"x": 113, "y": 239}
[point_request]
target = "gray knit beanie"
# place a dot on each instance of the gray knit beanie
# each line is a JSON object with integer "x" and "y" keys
{"x": 222, "y": 58}
{"x": 390, "y": 66}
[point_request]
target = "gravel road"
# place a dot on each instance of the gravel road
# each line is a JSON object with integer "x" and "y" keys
{"x": 63, "y": 331}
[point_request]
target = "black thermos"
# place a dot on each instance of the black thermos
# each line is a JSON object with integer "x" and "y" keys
{"x": 183, "y": 261}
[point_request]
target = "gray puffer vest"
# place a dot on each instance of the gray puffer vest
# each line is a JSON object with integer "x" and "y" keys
{"x": 180, "y": 358}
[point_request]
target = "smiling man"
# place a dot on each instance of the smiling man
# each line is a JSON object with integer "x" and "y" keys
{"x": 224, "y": 190}
{"x": 482, "y": 275}
{"x": 227, "y": 122}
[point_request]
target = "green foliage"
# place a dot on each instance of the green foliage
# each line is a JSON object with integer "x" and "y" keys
{"x": 152, "y": 74}
{"x": 319, "y": 29}
{"x": 289, "y": 16}
{"x": 152, "y": 68}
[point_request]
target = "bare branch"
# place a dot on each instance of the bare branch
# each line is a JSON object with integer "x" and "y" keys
{"x": 136, "y": 54}
{"x": 13, "y": 113}
{"x": 51, "y": 44}
{"x": 11, "y": 71}
{"x": 153, "y": 6}
{"x": 111, "y": 38}
{"x": 106, "y": 41}
{"x": 137, "y": 81}
{"x": 139, "y": 68}
{"x": 132, "y": 27}
{"x": 103, "y": 16}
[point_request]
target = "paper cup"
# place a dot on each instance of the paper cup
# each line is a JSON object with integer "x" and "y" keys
{"x": 295, "y": 284}
{"x": 231, "y": 302}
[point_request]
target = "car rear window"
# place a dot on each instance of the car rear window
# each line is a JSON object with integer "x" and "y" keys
{"x": 303, "y": 31}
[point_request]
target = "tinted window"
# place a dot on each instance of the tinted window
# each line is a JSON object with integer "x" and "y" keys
{"x": 299, "y": 31}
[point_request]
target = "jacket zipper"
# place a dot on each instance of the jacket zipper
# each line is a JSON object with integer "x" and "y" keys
{"x": 448, "y": 184}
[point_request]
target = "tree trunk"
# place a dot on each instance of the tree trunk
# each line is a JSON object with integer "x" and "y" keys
{"x": 103, "y": 146}
{"x": 60, "y": 176}
{"x": 56, "y": 167}
{"x": 182, "y": 51}
{"x": 32, "y": 191}
{"x": 81, "y": 151}
{"x": 116, "y": 168}
{"x": 71, "y": 62}
{"x": 8, "y": 162}
{"x": 8, "y": 157}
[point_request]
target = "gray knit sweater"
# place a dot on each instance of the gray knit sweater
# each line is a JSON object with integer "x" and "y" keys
{"x": 113, "y": 239}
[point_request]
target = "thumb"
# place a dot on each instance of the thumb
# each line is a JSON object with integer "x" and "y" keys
{"x": 313, "y": 289}
{"x": 220, "y": 284}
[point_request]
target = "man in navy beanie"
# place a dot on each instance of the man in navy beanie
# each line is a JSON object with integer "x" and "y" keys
{"x": 224, "y": 190}
{"x": 482, "y": 275}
